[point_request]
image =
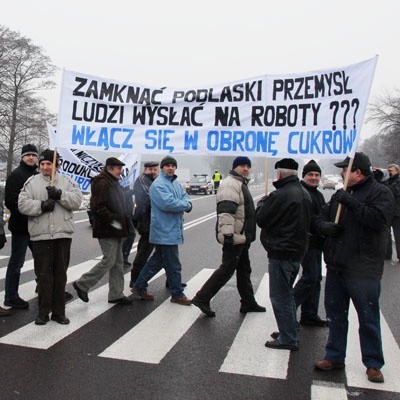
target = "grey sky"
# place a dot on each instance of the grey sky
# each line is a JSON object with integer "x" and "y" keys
{"x": 180, "y": 43}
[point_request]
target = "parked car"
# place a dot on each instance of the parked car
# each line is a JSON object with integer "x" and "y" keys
{"x": 332, "y": 182}
{"x": 199, "y": 184}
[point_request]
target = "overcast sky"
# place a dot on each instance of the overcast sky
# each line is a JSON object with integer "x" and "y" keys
{"x": 181, "y": 43}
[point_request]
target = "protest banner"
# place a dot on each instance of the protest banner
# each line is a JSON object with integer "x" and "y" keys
{"x": 317, "y": 114}
{"x": 82, "y": 166}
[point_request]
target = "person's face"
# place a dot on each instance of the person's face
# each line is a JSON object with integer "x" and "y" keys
{"x": 115, "y": 171}
{"x": 169, "y": 169}
{"x": 46, "y": 167}
{"x": 312, "y": 178}
{"x": 243, "y": 170}
{"x": 354, "y": 177}
{"x": 153, "y": 171}
{"x": 30, "y": 159}
{"x": 393, "y": 171}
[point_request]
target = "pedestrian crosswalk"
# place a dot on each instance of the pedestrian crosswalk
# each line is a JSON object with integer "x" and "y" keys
{"x": 150, "y": 340}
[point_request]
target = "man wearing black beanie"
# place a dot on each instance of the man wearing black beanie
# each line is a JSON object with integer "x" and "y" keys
{"x": 308, "y": 288}
{"x": 18, "y": 224}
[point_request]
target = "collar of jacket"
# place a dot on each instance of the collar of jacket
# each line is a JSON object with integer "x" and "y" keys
{"x": 237, "y": 176}
{"x": 24, "y": 165}
{"x": 394, "y": 178}
{"x": 369, "y": 179}
{"x": 308, "y": 187}
{"x": 284, "y": 181}
{"x": 171, "y": 178}
{"x": 150, "y": 176}
{"x": 110, "y": 175}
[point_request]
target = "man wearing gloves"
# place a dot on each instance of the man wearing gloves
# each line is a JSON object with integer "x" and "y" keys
{"x": 354, "y": 259}
{"x": 169, "y": 201}
{"x": 236, "y": 229}
{"x": 51, "y": 225}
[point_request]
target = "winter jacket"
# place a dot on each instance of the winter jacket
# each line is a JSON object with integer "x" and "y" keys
{"x": 17, "y": 223}
{"x": 107, "y": 204}
{"x": 142, "y": 199}
{"x": 168, "y": 202}
{"x": 359, "y": 250}
{"x": 284, "y": 218}
{"x": 318, "y": 201}
{"x": 58, "y": 224}
{"x": 394, "y": 185}
{"x": 235, "y": 210}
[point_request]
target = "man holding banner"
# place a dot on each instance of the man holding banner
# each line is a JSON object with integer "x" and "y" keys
{"x": 355, "y": 257}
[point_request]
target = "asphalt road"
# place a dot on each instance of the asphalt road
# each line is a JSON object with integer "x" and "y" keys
{"x": 160, "y": 350}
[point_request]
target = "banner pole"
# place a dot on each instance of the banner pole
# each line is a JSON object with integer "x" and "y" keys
{"x": 53, "y": 168}
{"x": 346, "y": 181}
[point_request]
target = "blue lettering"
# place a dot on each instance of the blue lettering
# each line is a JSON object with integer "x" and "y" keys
{"x": 126, "y": 144}
{"x": 103, "y": 139}
{"x": 112, "y": 133}
{"x": 191, "y": 140}
{"x": 292, "y": 135}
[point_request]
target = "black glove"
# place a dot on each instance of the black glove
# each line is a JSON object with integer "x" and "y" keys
{"x": 190, "y": 207}
{"x": 3, "y": 240}
{"x": 346, "y": 199}
{"x": 331, "y": 229}
{"x": 48, "y": 205}
{"x": 53, "y": 192}
{"x": 228, "y": 240}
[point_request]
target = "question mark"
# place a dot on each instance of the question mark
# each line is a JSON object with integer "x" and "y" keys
{"x": 345, "y": 103}
{"x": 357, "y": 103}
{"x": 335, "y": 105}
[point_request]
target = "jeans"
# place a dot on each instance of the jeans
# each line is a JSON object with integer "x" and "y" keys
{"x": 167, "y": 257}
{"x": 19, "y": 244}
{"x": 113, "y": 263}
{"x": 282, "y": 274}
{"x": 234, "y": 258}
{"x": 308, "y": 288}
{"x": 51, "y": 264}
{"x": 364, "y": 293}
{"x": 144, "y": 249}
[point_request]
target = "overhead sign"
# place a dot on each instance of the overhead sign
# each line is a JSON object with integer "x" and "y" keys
{"x": 316, "y": 114}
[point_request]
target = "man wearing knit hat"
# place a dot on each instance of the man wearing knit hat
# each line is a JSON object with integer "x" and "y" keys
{"x": 236, "y": 229}
{"x": 18, "y": 224}
{"x": 308, "y": 287}
{"x": 284, "y": 218}
{"x": 49, "y": 206}
{"x": 169, "y": 201}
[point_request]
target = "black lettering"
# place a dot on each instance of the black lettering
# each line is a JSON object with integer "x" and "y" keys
{"x": 82, "y": 82}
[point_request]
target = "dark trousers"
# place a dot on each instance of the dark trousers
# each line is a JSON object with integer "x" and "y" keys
{"x": 126, "y": 248}
{"x": 51, "y": 262}
{"x": 308, "y": 288}
{"x": 234, "y": 258}
{"x": 144, "y": 250}
{"x": 19, "y": 244}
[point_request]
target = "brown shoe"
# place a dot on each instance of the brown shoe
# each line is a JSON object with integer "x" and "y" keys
{"x": 143, "y": 294}
{"x": 183, "y": 301}
{"x": 326, "y": 365}
{"x": 4, "y": 312}
{"x": 375, "y": 375}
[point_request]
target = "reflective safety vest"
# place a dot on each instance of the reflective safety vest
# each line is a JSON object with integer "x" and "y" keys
{"x": 217, "y": 177}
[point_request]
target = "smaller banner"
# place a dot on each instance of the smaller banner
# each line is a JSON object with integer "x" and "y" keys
{"x": 82, "y": 166}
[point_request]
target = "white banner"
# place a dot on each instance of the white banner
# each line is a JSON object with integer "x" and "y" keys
{"x": 82, "y": 167}
{"x": 317, "y": 114}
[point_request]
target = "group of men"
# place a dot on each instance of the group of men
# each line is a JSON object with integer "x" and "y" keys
{"x": 297, "y": 226}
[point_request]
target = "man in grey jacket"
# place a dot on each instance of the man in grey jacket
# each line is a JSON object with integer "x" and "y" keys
{"x": 50, "y": 225}
{"x": 236, "y": 229}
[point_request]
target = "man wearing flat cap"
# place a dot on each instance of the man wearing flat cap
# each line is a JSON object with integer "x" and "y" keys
{"x": 236, "y": 229}
{"x": 49, "y": 206}
{"x": 169, "y": 201}
{"x": 18, "y": 224}
{"x": 354, "y": 258}
{"x": 110, "y": 227}
{"x": 141, "y": 217}
{"x": 308, "y": 288}
{"x": 284, "y": 218}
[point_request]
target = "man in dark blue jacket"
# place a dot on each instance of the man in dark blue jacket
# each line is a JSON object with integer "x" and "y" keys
{"x": 284, "y": 218}
{"x": 354, "y": 257}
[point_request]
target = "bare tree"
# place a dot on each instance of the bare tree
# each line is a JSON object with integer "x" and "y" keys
{"x": 24, "y": 71}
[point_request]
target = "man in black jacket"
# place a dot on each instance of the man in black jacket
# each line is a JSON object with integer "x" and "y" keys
{"x": 308, "y": 287}
{"x": 142, "y": 217}
{"x": 394, "y": 185}
{"x": 284, "y": 218}
{"x": 18, "y": 225}
{"x": 354, "y": 257}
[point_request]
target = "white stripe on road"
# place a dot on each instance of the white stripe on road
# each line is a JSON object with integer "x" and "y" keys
{"x": 328, "y": 391}
{"x": 43, "y": 337}
{"x": 28, "y": 266}
{"x": 355, "y": 370}
{"x": 151, "y": 339}
{"x": 248, "y": 354}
